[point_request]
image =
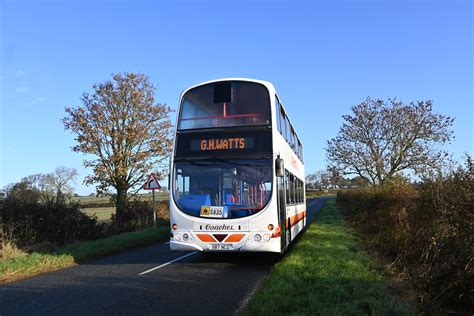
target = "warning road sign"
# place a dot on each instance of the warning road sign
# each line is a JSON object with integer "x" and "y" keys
{"x": 151, "y": 183}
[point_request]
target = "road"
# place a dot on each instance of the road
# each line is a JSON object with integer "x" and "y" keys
{"x": 176, "y": 283}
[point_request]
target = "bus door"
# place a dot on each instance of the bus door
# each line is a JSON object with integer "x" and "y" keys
{"x": 282, "y": 211}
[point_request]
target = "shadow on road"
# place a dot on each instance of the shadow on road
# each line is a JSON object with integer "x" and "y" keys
{"x": 242, "y": 258}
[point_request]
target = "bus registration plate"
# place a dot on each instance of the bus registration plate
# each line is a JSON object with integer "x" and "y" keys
{"x": 213, "y": 211}
{"x": 224, "y": 247}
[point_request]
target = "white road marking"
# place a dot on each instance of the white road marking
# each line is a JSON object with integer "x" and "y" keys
{"x": 167, "y": 263}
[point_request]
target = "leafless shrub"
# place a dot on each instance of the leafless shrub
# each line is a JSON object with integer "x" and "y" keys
{"x": 427, "y": 229}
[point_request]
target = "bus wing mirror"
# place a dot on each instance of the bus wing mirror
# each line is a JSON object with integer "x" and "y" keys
{"x": 279, "y": 167}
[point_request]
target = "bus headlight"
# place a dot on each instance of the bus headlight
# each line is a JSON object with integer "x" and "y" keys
{"x": 174, "y": 226}
{"x": 266, "y": 237}
{"x": 177, "y": 237}
{"x": 185, "y": 237}
{"x": 257, "y": 237}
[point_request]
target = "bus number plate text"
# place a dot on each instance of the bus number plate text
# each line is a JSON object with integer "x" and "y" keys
{"x": 224, "y": 247}
{"x": 212, "y": 211}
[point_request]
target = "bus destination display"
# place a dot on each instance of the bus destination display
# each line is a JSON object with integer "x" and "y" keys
{"x": 222, "y": 143}
{"x": 204, "y": 144}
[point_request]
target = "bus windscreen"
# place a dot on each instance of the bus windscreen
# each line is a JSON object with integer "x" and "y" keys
{"x": 225, "y": 104}
{"x": 237, "y": 188}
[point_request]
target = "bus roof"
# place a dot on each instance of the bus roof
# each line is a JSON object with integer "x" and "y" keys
{"x": 267, "y": 84}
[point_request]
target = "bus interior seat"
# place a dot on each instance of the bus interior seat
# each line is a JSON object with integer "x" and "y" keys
{"x": 194, "y": 202}
{"x": 229, "y": 199}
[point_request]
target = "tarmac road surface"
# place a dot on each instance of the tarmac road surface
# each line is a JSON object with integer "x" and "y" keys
{"x": 148, "y": 280}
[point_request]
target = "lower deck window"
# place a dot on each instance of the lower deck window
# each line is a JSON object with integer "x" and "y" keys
{"x": 236, "y": 188}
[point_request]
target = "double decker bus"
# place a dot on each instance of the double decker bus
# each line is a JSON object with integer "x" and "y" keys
{"x": 237, "y": 172}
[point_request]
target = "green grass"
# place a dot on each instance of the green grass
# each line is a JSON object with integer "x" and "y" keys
{"x": 314, "y": 194}
{"x": 102, "y": 213}
{"x": 32, "y": 264}
{"x": 326, "y": 274}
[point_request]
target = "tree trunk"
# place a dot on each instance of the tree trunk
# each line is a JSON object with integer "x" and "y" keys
{"x": 60, "y": 198}
{"x": 121, "y": 201}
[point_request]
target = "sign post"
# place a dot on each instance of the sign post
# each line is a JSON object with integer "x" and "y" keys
{"x": 152, "y": 184}
{"x": 154, "y": 209}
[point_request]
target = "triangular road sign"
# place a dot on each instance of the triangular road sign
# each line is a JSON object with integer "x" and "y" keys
{"x": 151, "y": 183}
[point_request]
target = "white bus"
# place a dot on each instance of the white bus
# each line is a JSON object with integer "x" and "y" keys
{"x": 237, "y": 172}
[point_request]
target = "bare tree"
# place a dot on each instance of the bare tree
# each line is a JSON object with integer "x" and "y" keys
{"x": 318, "y": 179}
{"x": 124, "y": 130}
{"x": 54, "y": 185}
{"x": 358, "y": 182}
{"x": 379, "y": 140}
{"x": 60, "y": 180}
{"x": 37, "y": 181}
{"x": 336, "y": 180}
{"x": 40, "y": 183}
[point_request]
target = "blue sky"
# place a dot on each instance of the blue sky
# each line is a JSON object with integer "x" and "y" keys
{"x": 322, "y": 56}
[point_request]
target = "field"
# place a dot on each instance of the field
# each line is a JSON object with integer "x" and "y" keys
{"x": 87, "y": 200}
{"x": 103, "y": 208}
{"x": 102, "y": 213}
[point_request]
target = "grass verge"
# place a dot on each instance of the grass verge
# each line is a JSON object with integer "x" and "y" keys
{"x": 326, "y": 274}
{"x": 35, "y": 263}
{"x": 316, "y": 194}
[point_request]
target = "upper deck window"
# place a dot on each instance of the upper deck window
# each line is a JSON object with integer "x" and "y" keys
{"x": 283, "y": 122}
{"x": 277, "y": 111}
{"x": 225, "y": 104}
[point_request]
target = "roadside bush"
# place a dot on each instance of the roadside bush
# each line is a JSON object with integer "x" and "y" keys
{"x": 427, "y": 229}
{"x": 98, "y": 204}
{"x": 446, "y": 231}
{"x": 30, "y": 222}
{"x": 382, "y": 212}
{"x": 139, "y": 214}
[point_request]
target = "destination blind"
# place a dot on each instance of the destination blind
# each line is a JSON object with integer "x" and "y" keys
{"x": 212, "y": 143}
{"x": 227, "y": 143}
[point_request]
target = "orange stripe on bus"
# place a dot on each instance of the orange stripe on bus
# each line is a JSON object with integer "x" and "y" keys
{"x": 296, "y": 218}
{"x": 235, "y": 238}
{"x": 277, "y": 232}
{"x": 206, "y": 237}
